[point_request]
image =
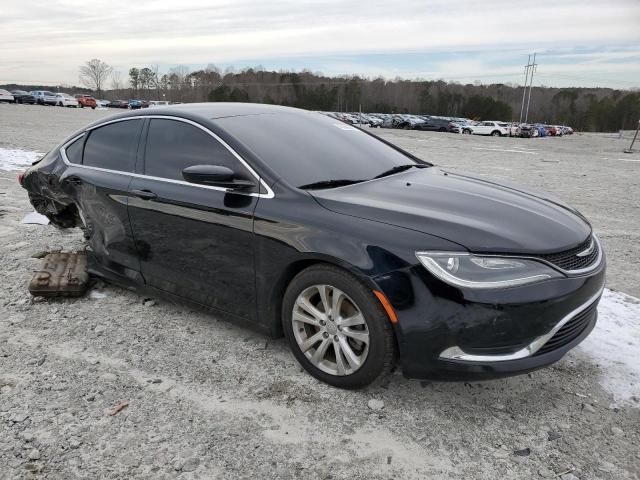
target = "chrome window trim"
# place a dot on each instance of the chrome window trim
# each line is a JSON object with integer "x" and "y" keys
{"x": 456, "y": 353}
{"x": 269, "y": 194}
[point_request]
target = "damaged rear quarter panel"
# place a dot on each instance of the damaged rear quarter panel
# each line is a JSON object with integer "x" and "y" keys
{"x": 47, "y": 194}
{"x": 74, "y": 196}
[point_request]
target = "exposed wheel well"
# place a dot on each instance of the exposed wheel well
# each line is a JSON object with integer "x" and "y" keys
{"x": 60, "y": 215}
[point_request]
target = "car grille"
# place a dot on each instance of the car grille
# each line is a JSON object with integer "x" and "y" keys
{"x": 569, "y": 260}
{"x": 570, "y": 330}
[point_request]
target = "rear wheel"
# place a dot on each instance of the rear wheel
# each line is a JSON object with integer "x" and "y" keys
{"x": 336, "y": 328}
{"x": 81, "y": 105}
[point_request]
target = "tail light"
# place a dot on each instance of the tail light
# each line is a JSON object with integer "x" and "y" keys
{"x": 21, "y": 177}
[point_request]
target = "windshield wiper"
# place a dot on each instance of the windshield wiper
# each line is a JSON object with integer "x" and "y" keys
{"x": 328, "y": 184}
{"x": 400, "y": 168}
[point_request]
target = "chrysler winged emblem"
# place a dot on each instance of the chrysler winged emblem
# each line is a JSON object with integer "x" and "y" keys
{"x": 587, "y": 251}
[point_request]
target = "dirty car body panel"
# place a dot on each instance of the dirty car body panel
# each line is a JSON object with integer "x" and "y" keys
{"x": 409, "y": 234}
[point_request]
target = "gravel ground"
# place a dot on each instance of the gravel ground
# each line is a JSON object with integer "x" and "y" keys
{"x": 209, "y": 399}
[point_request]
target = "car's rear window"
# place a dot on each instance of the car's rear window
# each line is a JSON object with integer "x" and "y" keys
{"x": 113, "y": 146}
{"x": 305, "y": 148}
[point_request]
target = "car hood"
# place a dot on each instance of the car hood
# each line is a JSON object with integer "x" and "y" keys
{"x": 478, "y": 214}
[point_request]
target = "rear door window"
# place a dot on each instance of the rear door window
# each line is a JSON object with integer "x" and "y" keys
{"x": 173, "y": 145}
{"x": 113, "y": 146}
{"x": 74, "y": 151}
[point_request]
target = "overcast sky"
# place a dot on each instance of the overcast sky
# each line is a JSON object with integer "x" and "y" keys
{"x": 579, "y": 42}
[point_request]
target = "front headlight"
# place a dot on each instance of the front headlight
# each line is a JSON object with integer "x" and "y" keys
{"x": 483, "y": 272}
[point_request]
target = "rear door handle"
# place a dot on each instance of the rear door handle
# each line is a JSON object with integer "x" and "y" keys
{"x": 144, "y": 194}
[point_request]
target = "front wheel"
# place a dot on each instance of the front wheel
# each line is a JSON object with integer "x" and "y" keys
{"x": 495, "y": 133}
{"x": 336, "y": 327}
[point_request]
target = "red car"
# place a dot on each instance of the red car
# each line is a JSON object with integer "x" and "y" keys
{"x": 86, "y": 101}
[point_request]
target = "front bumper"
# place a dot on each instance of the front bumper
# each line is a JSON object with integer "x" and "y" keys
{"x": 450, "y": 334}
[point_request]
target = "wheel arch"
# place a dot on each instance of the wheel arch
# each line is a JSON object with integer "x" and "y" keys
{"x": 272, "y": 304}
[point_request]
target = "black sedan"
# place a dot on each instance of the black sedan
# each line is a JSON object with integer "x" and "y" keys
{"x": 434, "y": 125}
{"x": 118, "y": 104}
{"x": 20, "y": 96}
{"x": 357, "y": 251}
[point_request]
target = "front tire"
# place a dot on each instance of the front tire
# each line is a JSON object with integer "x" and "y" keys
{"x": 495, "y": 133}
{"x": 336, "y": 328}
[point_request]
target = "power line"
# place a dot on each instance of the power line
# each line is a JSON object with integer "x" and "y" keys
{"x": 524, "y": 90}
{"x": 534, "y": 67}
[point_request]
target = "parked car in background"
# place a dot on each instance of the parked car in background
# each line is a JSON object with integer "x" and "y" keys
{"x": 65, "y": 100}
{"x": 433, "y": 125}
{"x": 164, "y": 103}
{"x": 6, "y": 96}
{"x": 375, "y": 122}
{"x": 495, "y": 129}
{"x": 527, "y": 131}
{"x": 86, "y": 100}
{"x": 118, "y": 104}
{"x": 454, "y": 127}
{"x": 102, "y": 103}
{"x": 459, "y": 126}
{"x": 44, "y": 97}
{"x": 20, "y": 96}
{"x": 134, "y": 104}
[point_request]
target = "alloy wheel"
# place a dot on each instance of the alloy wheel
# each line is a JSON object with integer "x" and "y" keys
{"x": 330, "y": 330}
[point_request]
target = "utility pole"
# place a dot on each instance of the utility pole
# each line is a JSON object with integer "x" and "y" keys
{"x": 534, "y": 67}
{"x": 524, "y": 90}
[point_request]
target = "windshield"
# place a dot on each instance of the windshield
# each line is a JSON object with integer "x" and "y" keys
{"x": 307, "y": 148}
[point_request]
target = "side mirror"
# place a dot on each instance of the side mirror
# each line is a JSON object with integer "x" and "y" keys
{"x": 216, "y": 176}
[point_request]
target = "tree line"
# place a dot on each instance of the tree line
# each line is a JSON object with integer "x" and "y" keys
{"x": 585, "y": 109}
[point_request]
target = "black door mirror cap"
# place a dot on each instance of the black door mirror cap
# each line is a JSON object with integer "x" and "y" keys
{"x": 216, "y": 176}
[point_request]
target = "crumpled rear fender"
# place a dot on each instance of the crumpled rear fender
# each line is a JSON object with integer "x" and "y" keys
{"x": 48, "y": 196}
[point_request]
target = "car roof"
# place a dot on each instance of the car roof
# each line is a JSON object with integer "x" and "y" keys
{"x": 215, "y": 110}
{"x": 206, "y": 113}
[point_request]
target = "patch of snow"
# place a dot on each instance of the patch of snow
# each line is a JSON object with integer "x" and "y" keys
{"x": 95, "y": 295}
{"x": 614, "y": 345}
{"x": 36, "y": 218}
{"x": 17, "y": 159}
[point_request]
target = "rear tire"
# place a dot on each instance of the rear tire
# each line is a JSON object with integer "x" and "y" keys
{"x": 354, "y": 345}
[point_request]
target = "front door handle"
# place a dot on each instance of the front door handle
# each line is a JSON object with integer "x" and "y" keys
{"x": 144, "y": 194}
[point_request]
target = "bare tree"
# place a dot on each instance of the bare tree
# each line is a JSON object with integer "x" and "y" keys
{"x": 116, "y": 80}
{"x": 94, "y": 74}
